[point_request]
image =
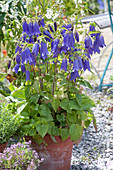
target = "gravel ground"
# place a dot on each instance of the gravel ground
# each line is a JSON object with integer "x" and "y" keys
{"x": 95, "y": 152}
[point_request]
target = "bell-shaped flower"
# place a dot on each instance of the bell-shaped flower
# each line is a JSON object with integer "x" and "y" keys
{"x": 96, "y": 46}
{"x": 64, "y": 65}
{"x": 28, "y": 55}
{"x": 86, "y": 65}
{"x": 42, "y": 23}
{"x": 25, "y": 27}
{"x": 74, "y": 75}
{"x": 51, "y": 29}
{"x": 43, "y": 50}
{"x": 18, "y": 59}
{"x": 88, "y": 42}
{"x": 55, "y": 26}
{"x": 16, "y": 68}
{"x": 27, "y": 75}
{"x": 101, "y": 41}
{"x": 30, "y": 27}
{"x": 68, "y": 26}
{"x": 77, "y": 36}
{"x": 23, "y": 69}
{"x": 92, "y": 28}
{"x": 36, "y": 28}
{"x": 71, "y": 41}
{"x": 80, "y": 63}
{"x": 54, "y": 45}
{"x": 76, "y": 65}
{"x": 18, "y": 49}
{"x": 35, "y": 49}
{"x": 47, "y": 33}
{"x": 33, "y": 61}
{"x": 9, "y": 64}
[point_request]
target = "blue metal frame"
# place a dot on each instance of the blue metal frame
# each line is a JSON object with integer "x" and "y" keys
{"x": 110, "y": 56}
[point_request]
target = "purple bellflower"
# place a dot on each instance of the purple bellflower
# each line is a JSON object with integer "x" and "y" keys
{"x": 54, "y": 45}
{"x": 96, "y": 46}
{"x": 23, "y": 68}
{"x": 42, "y": 23}
{"x": 74, "y": 75}
{"x": 33, "y": 61}
{"x": 76, "y": 65}
{"x": 18, "y": 59}
{"x": 88, "y": 42}
{"x": 25, "y": 27}
{"x": 27, "y": 75}
{"x": 43, "y": 51}
{"x": 80, "y": 63}
{"x": 16, "y": 68}
{"x": 35, "y": 49}
{"x": 77, "y": 36}
{"x": 55, "y": 26}
{"x": 101, "y": 41}
{"x": 92, "y": 28}
{"x": 64, "y": 65}
{"x": 47, "y": 33}
{"x": 86, "y": 65}
{"x": 36, "y": 28}
{"x": 51, "y": 29}
{"x": 30, "y": 26}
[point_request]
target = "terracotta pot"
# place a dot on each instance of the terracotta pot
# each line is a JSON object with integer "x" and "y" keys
{"x": 57, "y": 156}
{"x": 3, "y": 146}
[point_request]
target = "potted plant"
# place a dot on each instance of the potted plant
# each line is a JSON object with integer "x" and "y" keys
{"x": 49, "y": 61}
{"x": 8, "y": 126}
{"x": 20, "y": 156}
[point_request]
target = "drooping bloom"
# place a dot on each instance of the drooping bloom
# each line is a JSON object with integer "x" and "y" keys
{"x": 101, "y": 41}
{"x": 25, "y": 27}
{"x": 88, "y": 42}
{"x": 18, "y": 59}
{"x": 74, "y": 75}
{"x": 36, "y": 28}
{"x": 42, "y": 23}
{"x": 54, "y": 45}
{"x": 80, "y": 63}
{"x": 9, "y": 64}
{"x": 43, "y": 50}
{"x": 77, "y": 36}
{"x": 35, "y": 49}
{"x": 92, "y": 28}
{"x": 23, "y": 68}
{"x": 76, "y": 65}
{"x": 33, "y": 61}
{"x": 27, "y": 75}
{"x": 86, "y": 65}
{"x": 30, "y": 27}
{"x": 64, "y": 65}
{"x": 16, "y": 68}
{"x": 100, "y": 2}
{"x": 55, "y": 26}
{"x": 96, "y": 46}
{"x": 51, "y": 29}
{"x": 47, "y": 33}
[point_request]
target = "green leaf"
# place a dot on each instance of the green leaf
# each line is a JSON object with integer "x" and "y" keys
{"x": 87, "y": 104}
{"x": 32, "y": 132}
{"x": 75, "y": 132}
{"x": 21, "y": 106}
{"x": 82, "y": 114}
{"x": 50, "y": 127}
{"x": 64, "y": 134}
{"x": 74, "y": 105}
{"x": 65, "y": 104}
{"x": 44, "y": 110}
{"x": 36, "y": 86}
{"x": 34, "y": 98}
{"x": 71, "y": 117}
{"x": 19, "y": 94}
{"x": 61, "y": 118}
{"x": 55, "y": 131}
{"x": 79, "y": 98}
{"x": 42, "y": 128}
{"x": 24, "y": 114}
{"x": 55, "y": 103}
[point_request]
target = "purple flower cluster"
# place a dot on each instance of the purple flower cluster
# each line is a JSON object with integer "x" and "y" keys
{"x": 73, "y": 58}
{"x": 20, "y": 156}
